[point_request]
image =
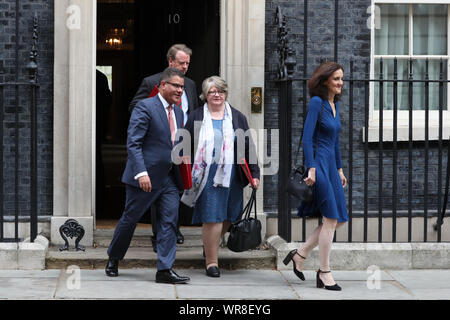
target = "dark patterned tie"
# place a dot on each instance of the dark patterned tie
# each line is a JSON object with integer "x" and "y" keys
{"x": 179, "y": 104}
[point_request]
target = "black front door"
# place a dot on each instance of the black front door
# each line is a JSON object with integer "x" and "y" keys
{"x": 151, "y": 27}
{"x": 160, "y": 24}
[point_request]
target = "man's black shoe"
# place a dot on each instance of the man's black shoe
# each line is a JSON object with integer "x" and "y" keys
{"x": 112, "y": 268}
{"x": 180, "y": 237}
{"x": 153, "y": 238}
{"x": 169, "y": 276}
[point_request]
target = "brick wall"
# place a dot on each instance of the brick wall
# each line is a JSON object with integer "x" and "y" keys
{"x": 353, "y": 44}
{"x": 27, "y": 10}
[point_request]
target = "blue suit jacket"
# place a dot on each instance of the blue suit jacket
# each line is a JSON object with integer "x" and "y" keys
{"x": 149, "y": 143}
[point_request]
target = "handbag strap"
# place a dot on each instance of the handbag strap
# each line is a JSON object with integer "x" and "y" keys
{"x": 250, "y": 204}
{"x": 301, "y": 136}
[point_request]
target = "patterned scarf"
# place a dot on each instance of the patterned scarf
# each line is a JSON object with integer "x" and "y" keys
{"x": 204, "y": 155}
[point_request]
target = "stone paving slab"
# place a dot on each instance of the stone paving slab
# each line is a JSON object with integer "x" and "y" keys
{"x": 338, "y": 275}
{"x": 352, "y": 290}
{"x": 423, "y": 279}
{"x": 124, "y": 275}
{"x": 431, "y": 294}
{"x": 235, "y": 277}
{"x": 41, "y": 288}
{"x": 105, "y": 289}
{"x": 236, "y": 292}
{"x": 236, "y": 284}
{"x": 137, "y": 284}
{"x": 354, "y": 286}
{"x": 29, "y": 273}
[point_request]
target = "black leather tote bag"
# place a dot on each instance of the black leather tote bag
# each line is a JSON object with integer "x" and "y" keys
{"x": 246, "y": 233}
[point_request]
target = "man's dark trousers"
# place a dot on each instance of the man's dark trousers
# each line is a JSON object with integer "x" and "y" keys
{"x": 166, "y": 198}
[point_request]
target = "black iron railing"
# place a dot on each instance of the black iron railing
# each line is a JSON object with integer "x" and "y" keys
{"x": 383, "y": 146}
{"x": 285, "y": 116}
{"x": 20, "y": 89}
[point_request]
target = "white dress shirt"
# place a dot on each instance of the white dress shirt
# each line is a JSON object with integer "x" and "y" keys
{"x": 184, "y": 106}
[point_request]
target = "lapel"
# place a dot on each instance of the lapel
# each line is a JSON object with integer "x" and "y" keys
{"x": 178, "y": 116}
{"x": 234, "y": 120}
{"x": 188, "y": 95}
{"x": 163, "y": 117}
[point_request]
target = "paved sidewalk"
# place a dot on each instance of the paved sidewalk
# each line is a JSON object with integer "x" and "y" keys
{"x": 233, "y": 284}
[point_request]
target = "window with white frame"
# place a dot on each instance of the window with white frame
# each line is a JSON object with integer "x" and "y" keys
{"x": 410, "y": 30}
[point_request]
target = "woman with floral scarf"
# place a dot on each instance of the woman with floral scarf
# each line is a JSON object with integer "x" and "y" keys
{"x": 217, "y": 179}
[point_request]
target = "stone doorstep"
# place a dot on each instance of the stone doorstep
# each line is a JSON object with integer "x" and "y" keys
{"x": 141, "y": 255}
{"x": 359, "y": 256}
{"x": 141, "y": 237}
{"x": 24, "y": 255}
{"x": 144, "y": 257}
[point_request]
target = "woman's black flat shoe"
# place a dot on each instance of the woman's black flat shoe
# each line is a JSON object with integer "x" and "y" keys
{"x": 213, "y": 271}
{"x": 289, "y": 258}
{"x": 320, "y": 283}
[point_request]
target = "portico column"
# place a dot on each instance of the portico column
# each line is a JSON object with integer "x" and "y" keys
{"x": 74, "y": 149}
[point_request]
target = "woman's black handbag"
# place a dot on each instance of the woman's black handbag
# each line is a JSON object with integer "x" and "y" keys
{"x": 296, "y": 185}
{"x": 246, "y": 233}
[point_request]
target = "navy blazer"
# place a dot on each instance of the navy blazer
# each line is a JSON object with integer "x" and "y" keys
{"x": 239, "y": 122}
{"x": 150, "y": 82}
{"x": 149, "y": 144}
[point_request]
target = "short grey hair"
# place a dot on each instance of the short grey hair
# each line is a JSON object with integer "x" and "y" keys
{"x": 213, "y": 81}
{"x": 171, "y": 54}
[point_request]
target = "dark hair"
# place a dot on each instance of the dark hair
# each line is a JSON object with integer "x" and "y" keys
{"x": 168, "y": 73}
{"x": 316, "y": 84}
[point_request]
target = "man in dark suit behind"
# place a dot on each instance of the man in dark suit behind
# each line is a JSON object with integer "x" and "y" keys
{"x": 178, "y": 57}
{"x": 151, "y": 177}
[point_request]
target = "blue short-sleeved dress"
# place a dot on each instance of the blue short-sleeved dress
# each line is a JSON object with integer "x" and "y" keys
{"x": 218, "y": 204}
{"x": 329, "y": 197}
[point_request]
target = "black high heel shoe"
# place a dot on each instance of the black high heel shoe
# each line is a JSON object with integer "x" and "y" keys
{"x": 289, "y": 258}
{"x": 320, "y": 283}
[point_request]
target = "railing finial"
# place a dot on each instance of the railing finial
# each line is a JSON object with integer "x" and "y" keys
{"x": 32, "y": 65}
{"x": 286, "y": 55}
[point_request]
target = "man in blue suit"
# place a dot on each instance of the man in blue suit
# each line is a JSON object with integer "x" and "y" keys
{"x": 151, "y": 177}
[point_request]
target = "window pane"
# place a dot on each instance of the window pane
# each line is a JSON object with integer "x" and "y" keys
{"x": 418, "y": 91}
{"x": 392, "y": 37}
{"x": 388, "y": 87}
{"x": 419, "y": 71}
{"x": 430, "y": 29}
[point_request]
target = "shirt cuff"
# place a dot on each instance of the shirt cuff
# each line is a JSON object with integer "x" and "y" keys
{"x": 144, "y": 173}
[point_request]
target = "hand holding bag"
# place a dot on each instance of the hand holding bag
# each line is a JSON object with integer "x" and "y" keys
{"x": 296, "y": 184}
{"x": 246, "y": 233}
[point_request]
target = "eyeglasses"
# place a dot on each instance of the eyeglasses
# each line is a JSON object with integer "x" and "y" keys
{"x": 213, "y": 93}
{"x": 176, "y": 85}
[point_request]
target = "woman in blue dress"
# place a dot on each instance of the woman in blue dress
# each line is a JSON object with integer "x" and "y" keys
{"x": 323, "y": 162}
{"x": 217, "y": 178}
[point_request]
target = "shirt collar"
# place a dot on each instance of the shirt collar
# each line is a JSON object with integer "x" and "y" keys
{"x": 164, "y": 102}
